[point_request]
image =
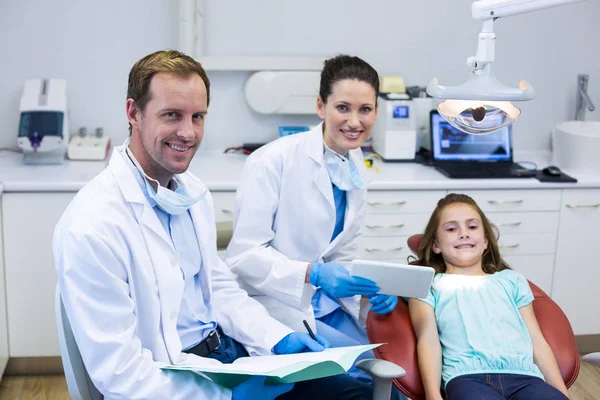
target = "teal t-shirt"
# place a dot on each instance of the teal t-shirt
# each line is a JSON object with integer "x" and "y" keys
{"x": 479, "y": 325}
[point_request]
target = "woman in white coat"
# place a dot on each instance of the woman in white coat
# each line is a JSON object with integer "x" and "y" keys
{"x": 300, "y": 208}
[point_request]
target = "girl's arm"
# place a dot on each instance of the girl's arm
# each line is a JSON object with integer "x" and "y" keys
{"x": 429, "y": 350}
{"x": 542, "y": 353}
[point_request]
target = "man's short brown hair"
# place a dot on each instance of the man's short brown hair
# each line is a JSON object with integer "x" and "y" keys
{"x": 169, "y": 61}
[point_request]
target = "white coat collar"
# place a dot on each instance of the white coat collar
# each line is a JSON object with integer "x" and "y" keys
{"x": 315, "y": 149}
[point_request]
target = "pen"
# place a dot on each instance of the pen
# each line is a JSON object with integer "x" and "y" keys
{"x": 310, "y": 332}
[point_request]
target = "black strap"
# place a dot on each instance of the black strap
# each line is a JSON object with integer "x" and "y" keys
{"x": 207, "y": 346}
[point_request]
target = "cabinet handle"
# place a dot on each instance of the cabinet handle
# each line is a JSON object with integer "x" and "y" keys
{"x": 583, "y": 205}
{"x": 381, "y": 203}
{"x": 226, "y": 211}
{"x": 509, "y": 246}
{"x": 516, "y": 223}
{"x": 516, "y": 201}
{"x": 385, "y": 227}
{"x": 374, "y": 250}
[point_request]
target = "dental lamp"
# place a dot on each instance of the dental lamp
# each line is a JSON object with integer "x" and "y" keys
{"x": 483, "y": 105}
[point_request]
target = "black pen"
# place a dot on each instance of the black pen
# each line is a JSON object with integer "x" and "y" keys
{"x": 310, "y": 332}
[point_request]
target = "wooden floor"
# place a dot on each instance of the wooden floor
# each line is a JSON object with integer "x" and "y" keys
{"x": 54, "y": 387}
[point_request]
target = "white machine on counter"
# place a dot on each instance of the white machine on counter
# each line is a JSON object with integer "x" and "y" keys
{"x": 44, "y": 122}
{"x": 89, "y": 147}
{"x": 394, "y": 135}
{"x": 283, "y": 92}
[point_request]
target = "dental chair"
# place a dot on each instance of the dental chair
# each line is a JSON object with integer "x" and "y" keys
{"x": 396, "y": 330}
{"x": 79, "y": 384}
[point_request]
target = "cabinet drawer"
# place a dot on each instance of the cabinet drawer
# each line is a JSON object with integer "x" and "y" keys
{"x": 522, "y": 223}
{"x": 394, "y": 224}
{"x": 516, "y": 200}
{"x": 583, "y": 200}
{"x": 392, "y": 249}
{"x": 537, "y": 269}
{"x": 224, "y": 203}
{"x": 401, "y": 201}
{"x": 532, "y": 244}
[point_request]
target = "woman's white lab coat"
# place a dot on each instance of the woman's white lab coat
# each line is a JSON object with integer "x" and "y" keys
{"x": 122, "y": 287}
{"x": 284, "y": 219}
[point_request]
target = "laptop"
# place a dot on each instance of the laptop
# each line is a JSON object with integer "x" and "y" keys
{"x": 457, "y": 154}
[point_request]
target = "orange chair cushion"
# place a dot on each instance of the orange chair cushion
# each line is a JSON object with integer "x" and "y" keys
{"x": 396, "y": 329}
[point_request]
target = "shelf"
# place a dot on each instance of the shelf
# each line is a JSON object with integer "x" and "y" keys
{"x": 264, "y": 63}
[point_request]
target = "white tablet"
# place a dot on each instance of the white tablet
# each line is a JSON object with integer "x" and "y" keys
{"x": 395, "y": 279}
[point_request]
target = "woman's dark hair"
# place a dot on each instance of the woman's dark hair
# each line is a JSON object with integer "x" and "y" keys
{"x": 346, "y": 67}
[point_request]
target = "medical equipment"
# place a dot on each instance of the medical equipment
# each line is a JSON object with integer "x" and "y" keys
{"x": 394, "y": 135}
{"x": 468, "y": 105}
{"x": 89, "y": 147}
{"x": 283, "y": 92}
{"x": 391, "y": 84}
{"x": 285, "y": 130}
{"x": 44, "y": 123}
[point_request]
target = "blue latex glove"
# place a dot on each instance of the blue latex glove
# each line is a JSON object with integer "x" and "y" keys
{"x": 297, "y": 342}
{"x": 255, "y": 388}
{"x": 337, "y": 281}
{"x": 383, "y": 303}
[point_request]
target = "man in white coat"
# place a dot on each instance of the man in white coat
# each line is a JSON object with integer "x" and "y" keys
{"x": 137, "y": 264}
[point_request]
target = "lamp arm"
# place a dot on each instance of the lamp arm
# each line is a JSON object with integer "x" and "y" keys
{"x": 488, "y": 11}
{"x": 492, "y": 9}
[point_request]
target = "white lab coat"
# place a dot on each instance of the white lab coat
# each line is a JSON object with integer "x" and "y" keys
{"x": 122, "y": 286}
{"x": 284, "y": 219}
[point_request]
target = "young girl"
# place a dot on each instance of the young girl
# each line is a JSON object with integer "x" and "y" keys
{"x": 477, "y": 332}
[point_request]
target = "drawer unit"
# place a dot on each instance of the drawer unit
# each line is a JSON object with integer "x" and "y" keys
{"x": 224, "y": 203}
{"x": 394, "y": 224}
{"x": 400, "y": 201}
{"x": 542, "y": 243}
{"x": 525, "y": 222}
{"x": 538, "y": 269}
{"x": 516, "y": 200}
{"x": 392, "y": 249}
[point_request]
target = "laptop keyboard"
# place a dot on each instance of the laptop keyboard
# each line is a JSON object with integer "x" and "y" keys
{"x": 481, "y": 171}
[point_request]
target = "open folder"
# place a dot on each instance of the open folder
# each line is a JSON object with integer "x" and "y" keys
{"x": 284, "y": 368}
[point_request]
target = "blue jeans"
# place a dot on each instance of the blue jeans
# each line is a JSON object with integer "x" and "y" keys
{"x": 501, "y": 386}
{"x": 329, "y": 388}
{"x": 340, "y": 329}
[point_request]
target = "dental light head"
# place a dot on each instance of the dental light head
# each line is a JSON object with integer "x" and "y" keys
{"x": 483, "y": 105}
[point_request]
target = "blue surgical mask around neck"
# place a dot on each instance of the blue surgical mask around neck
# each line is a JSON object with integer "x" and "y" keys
{"x": 342, "y": 170}
{"x": 174, "y": 202}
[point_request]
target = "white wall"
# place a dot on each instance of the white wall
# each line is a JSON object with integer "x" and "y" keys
{"x": 94, "y": 44}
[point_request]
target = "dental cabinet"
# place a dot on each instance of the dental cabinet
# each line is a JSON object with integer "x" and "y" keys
{"x": 547, "y": 232}
{"x": 3, "y": 314}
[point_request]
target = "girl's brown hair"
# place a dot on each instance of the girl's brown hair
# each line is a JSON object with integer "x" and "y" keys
{"x": 491, "y": 260}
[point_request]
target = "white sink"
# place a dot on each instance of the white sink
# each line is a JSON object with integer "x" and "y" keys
{"x": 576, "y": 147}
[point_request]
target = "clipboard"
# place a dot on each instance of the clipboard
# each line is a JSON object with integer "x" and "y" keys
{"x": 395, "y": 279}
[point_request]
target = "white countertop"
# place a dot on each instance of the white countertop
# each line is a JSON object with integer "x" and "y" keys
{"x": 221, "y": 172}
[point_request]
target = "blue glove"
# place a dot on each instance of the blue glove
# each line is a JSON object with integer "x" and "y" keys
{"x": 337, "y": 281}
{"x": 255, "y": 388}
{"x": 383, "y": 303}
{"x": 297, "y": 342}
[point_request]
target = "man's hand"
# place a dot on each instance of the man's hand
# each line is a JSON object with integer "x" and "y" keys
{"x": 297, "y": 342}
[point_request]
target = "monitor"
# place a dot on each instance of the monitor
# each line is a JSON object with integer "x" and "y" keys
{"x": 450, "y": 144}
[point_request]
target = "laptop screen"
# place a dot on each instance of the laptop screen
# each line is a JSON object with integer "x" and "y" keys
{"x": 451, "y": 144}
